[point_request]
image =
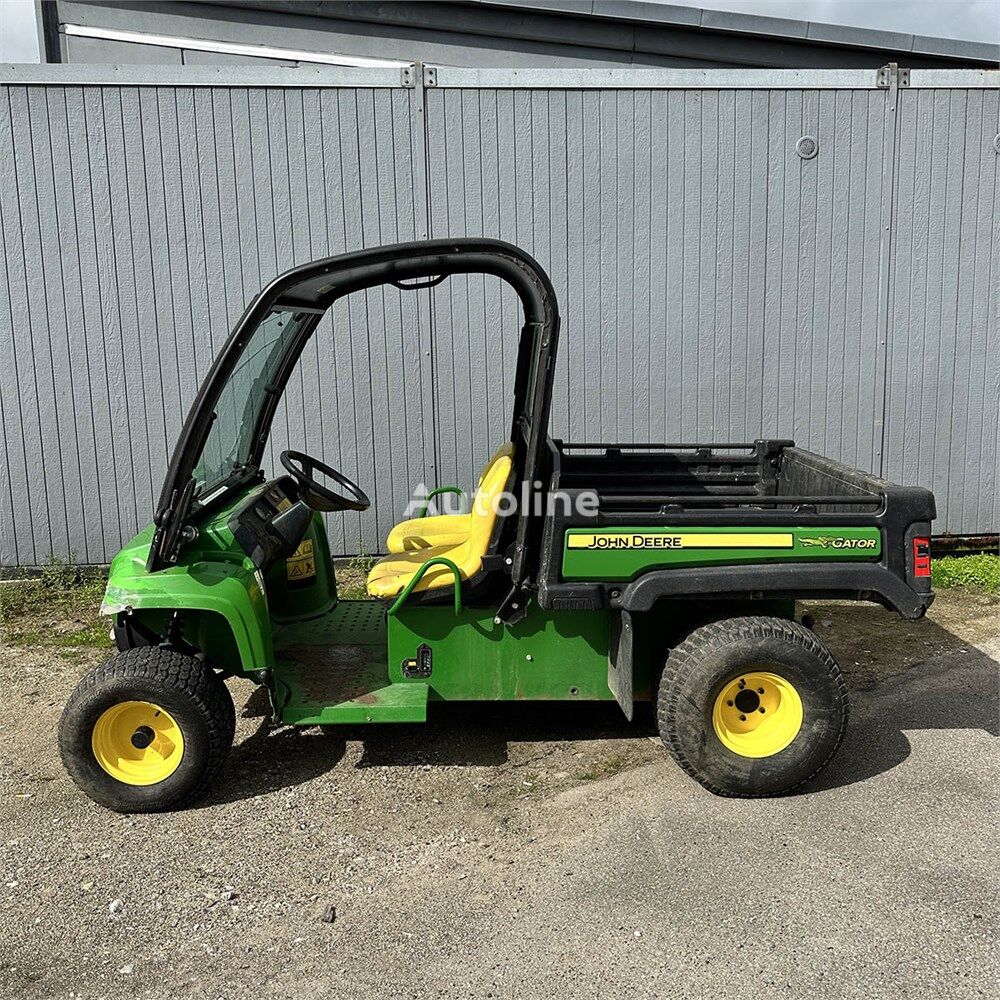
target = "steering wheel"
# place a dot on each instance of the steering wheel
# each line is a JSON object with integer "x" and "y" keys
{"x": 319, "y": 497}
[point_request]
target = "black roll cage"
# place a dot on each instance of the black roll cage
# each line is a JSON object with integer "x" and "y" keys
{"x": 312, "y": 289}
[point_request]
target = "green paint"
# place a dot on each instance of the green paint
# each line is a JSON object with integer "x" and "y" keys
{"x": 217, "y": 578}
{"x": 548, "y": 655}
{"x": 342, "y": 662}
{"x": 214, "y": 577}
{"x": 420, "y": 574}
{"x": 290, "y": 600}
{"x": 458, "y": 491}
{"x": 649, "y": 548}
{"x": 332, "y": 669}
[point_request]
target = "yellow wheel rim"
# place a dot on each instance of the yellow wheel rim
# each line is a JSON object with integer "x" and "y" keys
{"x": 137, "y": 743}
{"x": 757, "y": 714}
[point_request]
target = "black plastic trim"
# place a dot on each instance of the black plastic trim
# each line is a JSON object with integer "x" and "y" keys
{"x": 862, "y": 581}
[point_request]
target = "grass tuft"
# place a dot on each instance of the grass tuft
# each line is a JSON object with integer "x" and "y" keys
{"x": 54, "y": 610}
{"x": 980, "y": 571}
{"x": 351, "y": 578}
{"x": 604, "y": 768}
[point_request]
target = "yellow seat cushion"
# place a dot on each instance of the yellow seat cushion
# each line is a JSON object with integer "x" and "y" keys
{"x": 393, "y": 572}
{"x": 432, "y": 532}
{"x": 420, "y": 533}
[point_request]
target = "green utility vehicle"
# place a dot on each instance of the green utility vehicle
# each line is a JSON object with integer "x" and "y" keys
{"x": 582, "y": 572}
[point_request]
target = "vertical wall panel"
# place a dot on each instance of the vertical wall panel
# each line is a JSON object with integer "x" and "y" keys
{"x": 136, "y": 223}
{"x": 943, "y": 382}
{"x": 713, "y": 284}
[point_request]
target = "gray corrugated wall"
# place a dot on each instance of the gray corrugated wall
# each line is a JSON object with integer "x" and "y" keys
{"x": 943, "y": 392}
{"x": 714, "y": 285}
{"x": 136, "y": 223}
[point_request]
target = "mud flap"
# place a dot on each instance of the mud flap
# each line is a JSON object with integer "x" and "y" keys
{"x": 620, "y": 662}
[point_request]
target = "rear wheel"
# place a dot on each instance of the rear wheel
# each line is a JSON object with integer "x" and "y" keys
{"x": 147, "y": 730}
{"x": 751, "y": 706}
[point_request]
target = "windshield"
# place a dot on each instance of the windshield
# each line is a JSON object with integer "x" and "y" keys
{"x": 228, "y": 444}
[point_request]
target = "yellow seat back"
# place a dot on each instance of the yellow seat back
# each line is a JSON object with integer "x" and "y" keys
{"x": 393, "y": 572}
{"x": 495, "y": 479}
{"x": 506, "y": 450}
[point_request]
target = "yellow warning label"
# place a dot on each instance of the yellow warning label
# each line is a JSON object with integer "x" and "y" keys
{"x": 284, "y": 504}
{"x": 685, "y": 540}
{"x": 301, "y": 564}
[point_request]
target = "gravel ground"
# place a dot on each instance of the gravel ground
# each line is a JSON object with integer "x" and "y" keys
{"x": 523, "y": 851}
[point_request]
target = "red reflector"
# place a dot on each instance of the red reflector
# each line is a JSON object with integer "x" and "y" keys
{"x": 921, "y": 557}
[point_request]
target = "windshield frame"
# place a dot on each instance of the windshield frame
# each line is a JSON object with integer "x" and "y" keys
{"x": 312, "y": 289}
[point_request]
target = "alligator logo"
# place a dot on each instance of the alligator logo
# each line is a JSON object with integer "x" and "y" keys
{"x": 820, "y": 542}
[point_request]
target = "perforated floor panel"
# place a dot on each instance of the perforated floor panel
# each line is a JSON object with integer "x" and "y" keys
{"x": 351, "y": 623}
{"x": 333, "y": 669}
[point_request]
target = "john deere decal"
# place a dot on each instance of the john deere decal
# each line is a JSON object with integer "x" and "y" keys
{"x": 699, "y": 540}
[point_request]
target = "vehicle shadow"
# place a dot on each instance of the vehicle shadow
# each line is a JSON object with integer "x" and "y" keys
{"x": 902, "y": 676}
{"x": 270, "y": 760}
{"x": 478, "y": 735}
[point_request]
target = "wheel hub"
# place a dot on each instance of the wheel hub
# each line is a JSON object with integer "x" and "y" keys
{"x": 757, "y": 714}
{"x": 142, "y": 737}
{"x": 137, "y": 742}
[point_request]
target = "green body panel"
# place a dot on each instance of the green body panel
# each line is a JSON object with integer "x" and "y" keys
{"x": 390, "y": 703}
{"x": 215, "y": 577}
{"x": 342, "y": 662}
{"x": 623, "y": 553}
{"x": 290, "y": 600}
{"x": 547, "y": 655}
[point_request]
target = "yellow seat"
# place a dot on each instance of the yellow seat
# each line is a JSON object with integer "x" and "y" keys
{"x": 393, "y": 572}
{"x": 421, "y": 533}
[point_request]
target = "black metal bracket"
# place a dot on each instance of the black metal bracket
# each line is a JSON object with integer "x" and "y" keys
{"x": 421, "y": 665}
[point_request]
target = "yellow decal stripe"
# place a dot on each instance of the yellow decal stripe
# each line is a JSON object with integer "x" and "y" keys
{"x": 682, "y": 540}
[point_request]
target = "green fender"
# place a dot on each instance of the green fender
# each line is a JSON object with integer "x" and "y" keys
{"x": 213, "y": 580}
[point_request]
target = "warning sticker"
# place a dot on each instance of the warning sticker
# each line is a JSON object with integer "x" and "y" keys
{"x": 301, "y": 564}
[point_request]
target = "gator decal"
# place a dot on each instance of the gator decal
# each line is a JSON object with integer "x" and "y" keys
{"x": 838, "y": 542}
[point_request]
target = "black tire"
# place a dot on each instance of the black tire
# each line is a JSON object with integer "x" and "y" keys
{"x": 712, "y": 658}
{"x": 187, "y": 688}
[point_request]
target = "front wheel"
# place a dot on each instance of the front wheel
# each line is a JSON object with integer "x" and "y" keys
{"x": 147, "y": 730}
{"x": 751, "y": 707}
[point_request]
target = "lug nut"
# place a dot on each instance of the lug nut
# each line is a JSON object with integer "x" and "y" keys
{"x": 743, "y": 718}
{"x": 760, "y": 690}
{"x": 761, "y": 709}
{"x": 729, "y": 703}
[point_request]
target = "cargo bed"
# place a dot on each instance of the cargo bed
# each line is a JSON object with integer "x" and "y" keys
{"x": 684, "y": 520}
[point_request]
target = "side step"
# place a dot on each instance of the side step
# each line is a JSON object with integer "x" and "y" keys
{"x": 316, "y": 685}
{"x": 393, "y": 703}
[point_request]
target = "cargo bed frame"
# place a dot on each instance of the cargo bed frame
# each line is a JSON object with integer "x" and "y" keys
{"x": 766, "y": 483}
